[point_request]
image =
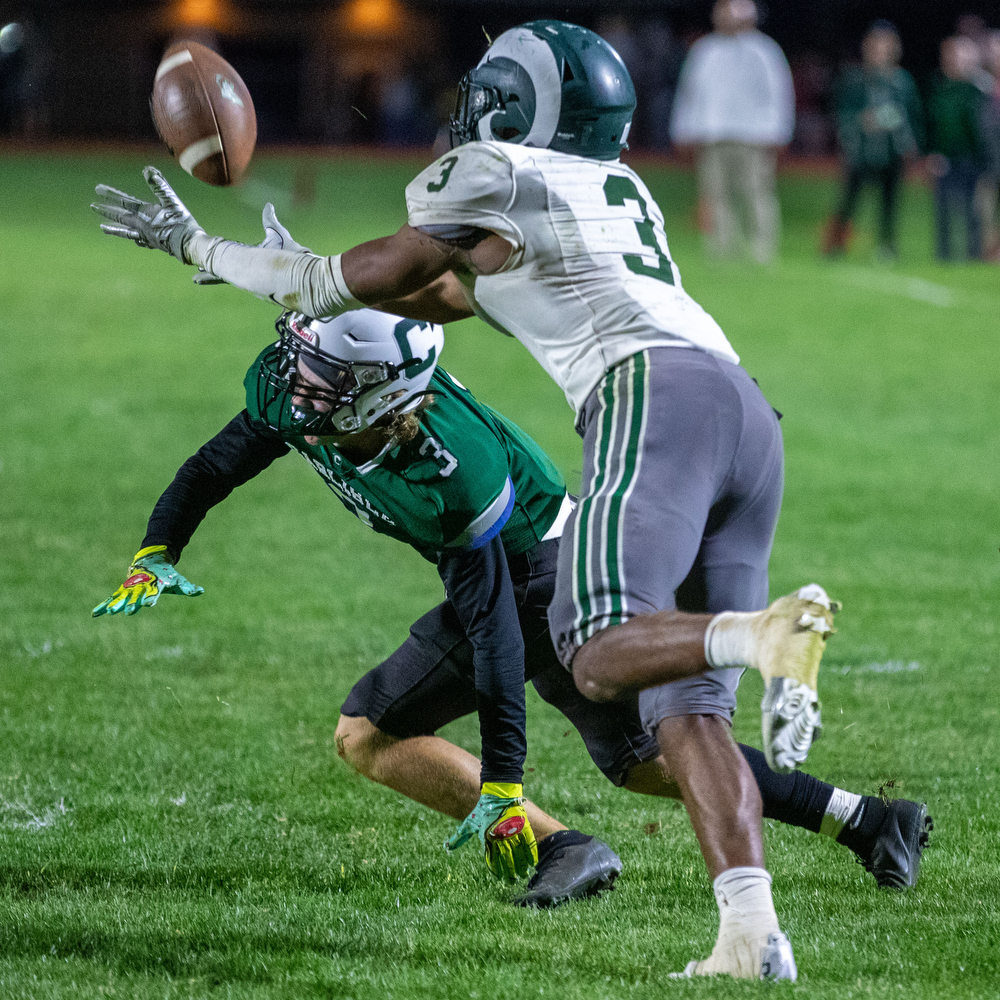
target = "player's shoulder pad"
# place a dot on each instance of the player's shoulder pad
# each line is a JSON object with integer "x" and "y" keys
{"x": 473, "y": 185}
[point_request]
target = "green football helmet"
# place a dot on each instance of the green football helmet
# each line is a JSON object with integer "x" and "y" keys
{"x": 551, "y": 85}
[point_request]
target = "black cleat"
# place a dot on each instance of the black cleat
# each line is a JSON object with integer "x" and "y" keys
{"x": 901, "y": 839}
{"x": 572, "y": 872}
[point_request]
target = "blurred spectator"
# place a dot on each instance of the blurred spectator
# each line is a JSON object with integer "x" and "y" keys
{"x": 879, "y": 126}
{"x": 973, "y": 27}
{"x": 989, "y": 134}
{"x": 735, "y": 104}
{"x": 955, "y": 147}
{"x": 406, "y": 116}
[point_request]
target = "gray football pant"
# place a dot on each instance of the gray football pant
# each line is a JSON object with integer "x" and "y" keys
{"x": 682, "y": 483}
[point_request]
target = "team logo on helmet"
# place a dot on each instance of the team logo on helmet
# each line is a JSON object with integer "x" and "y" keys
{"x": 329, "y": 377}
{"x": 548, "y": 84}
{"x": 539, "y": 102}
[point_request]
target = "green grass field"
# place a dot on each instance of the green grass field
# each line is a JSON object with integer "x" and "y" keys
{"x": 174, "y": 820}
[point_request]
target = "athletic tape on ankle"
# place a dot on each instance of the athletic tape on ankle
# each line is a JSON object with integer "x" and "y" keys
{"x": 729, "y": 639}
{"x": 746, "y": 913}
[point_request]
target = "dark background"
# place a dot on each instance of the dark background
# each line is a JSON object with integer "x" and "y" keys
{"x": 384, "y": 71}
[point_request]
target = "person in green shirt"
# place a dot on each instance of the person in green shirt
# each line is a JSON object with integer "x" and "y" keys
{"x": 879, "y": 127}
{"x": 955, "y": 146}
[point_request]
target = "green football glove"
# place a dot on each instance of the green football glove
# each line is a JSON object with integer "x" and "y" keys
{"x": 502, "y": 825}
{"x": 164, "y": 224}
{"x": 150, "y": 575}
{"x": 276, "y": 237}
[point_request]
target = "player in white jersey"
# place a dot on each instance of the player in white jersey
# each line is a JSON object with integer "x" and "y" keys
{"x": 533, "y": 224}
{"x": 587, "y": 236}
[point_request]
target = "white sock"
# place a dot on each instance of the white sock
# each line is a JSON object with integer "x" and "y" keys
{"x": 729, "y": 640}
{"x": 839, "y": 810}
{"x": 746, "y": 918}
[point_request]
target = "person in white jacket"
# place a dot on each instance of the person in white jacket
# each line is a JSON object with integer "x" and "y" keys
{"x": 735, "y": 106}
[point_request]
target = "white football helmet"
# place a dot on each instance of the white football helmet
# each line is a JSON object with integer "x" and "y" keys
{"x": 370, "y": 363}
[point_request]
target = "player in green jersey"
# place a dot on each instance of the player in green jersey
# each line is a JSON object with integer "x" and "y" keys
{"x": 452, "y": 479}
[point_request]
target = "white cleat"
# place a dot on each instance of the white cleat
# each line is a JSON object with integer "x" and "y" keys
{"x": 799, "y": 625}
{"x": 790, "y": 723}
{"x": 776, "y": 962}
{"x": 785, "y": 643}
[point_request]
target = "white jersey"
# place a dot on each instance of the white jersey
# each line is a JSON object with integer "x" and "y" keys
{"x": 590, "y": 281}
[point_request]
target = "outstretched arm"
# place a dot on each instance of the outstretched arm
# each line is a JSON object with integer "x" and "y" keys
{"x": 390, "y": 269}
{"x": 407, "y": 269}
{"x": 479, "y": 588}
{"x": 235, "y": 455}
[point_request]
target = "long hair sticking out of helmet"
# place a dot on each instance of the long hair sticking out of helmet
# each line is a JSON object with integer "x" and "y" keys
{"x": 551, "y": 85}
{"x": 339, "y": 376}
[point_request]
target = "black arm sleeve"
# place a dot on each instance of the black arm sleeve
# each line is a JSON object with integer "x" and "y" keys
{"x": 479, "y": 587}
{"x": 233, "y": 457}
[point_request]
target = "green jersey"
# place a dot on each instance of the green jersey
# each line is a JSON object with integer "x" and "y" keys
{"x": 469, "y": 490}
{"x": 879, "y": 118}
{"x": 468, "y": 475}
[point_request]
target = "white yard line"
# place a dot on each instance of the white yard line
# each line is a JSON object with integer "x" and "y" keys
{"x": 887, "y": 282}
{"x": 889, "y": 667}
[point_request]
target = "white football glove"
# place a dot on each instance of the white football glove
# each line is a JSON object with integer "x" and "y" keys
{"x": 276, "y": 237}
{"x": 165, "y": 224}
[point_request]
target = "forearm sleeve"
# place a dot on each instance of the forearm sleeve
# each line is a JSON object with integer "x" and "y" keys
{"x": 301, "y": 281}
{"x": 234, "y": 456}
{"x": 479, "y": 587}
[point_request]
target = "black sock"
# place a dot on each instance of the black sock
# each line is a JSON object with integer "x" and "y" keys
{"x": 561, "y": 838}
{"x": 797, "y": 799}
{"x": 862, "y": 828}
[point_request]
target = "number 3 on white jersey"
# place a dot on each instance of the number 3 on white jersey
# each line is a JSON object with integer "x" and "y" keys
{"x": 618, "y": 190}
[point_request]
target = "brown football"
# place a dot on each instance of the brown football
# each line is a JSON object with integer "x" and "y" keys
{"x": 204, "y": 113}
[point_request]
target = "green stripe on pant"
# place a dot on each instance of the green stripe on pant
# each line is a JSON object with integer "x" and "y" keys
{"x": 598, "y": 531}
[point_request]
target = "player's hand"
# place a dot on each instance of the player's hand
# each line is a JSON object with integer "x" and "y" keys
{"x": 151, "y": 574}
{"x": 500, "y": 822}
{"x": 276, "y": 237}
{"x": 165, "y": 224}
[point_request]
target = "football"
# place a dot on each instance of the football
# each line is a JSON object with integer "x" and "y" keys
{"x": 204, "y": 113}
